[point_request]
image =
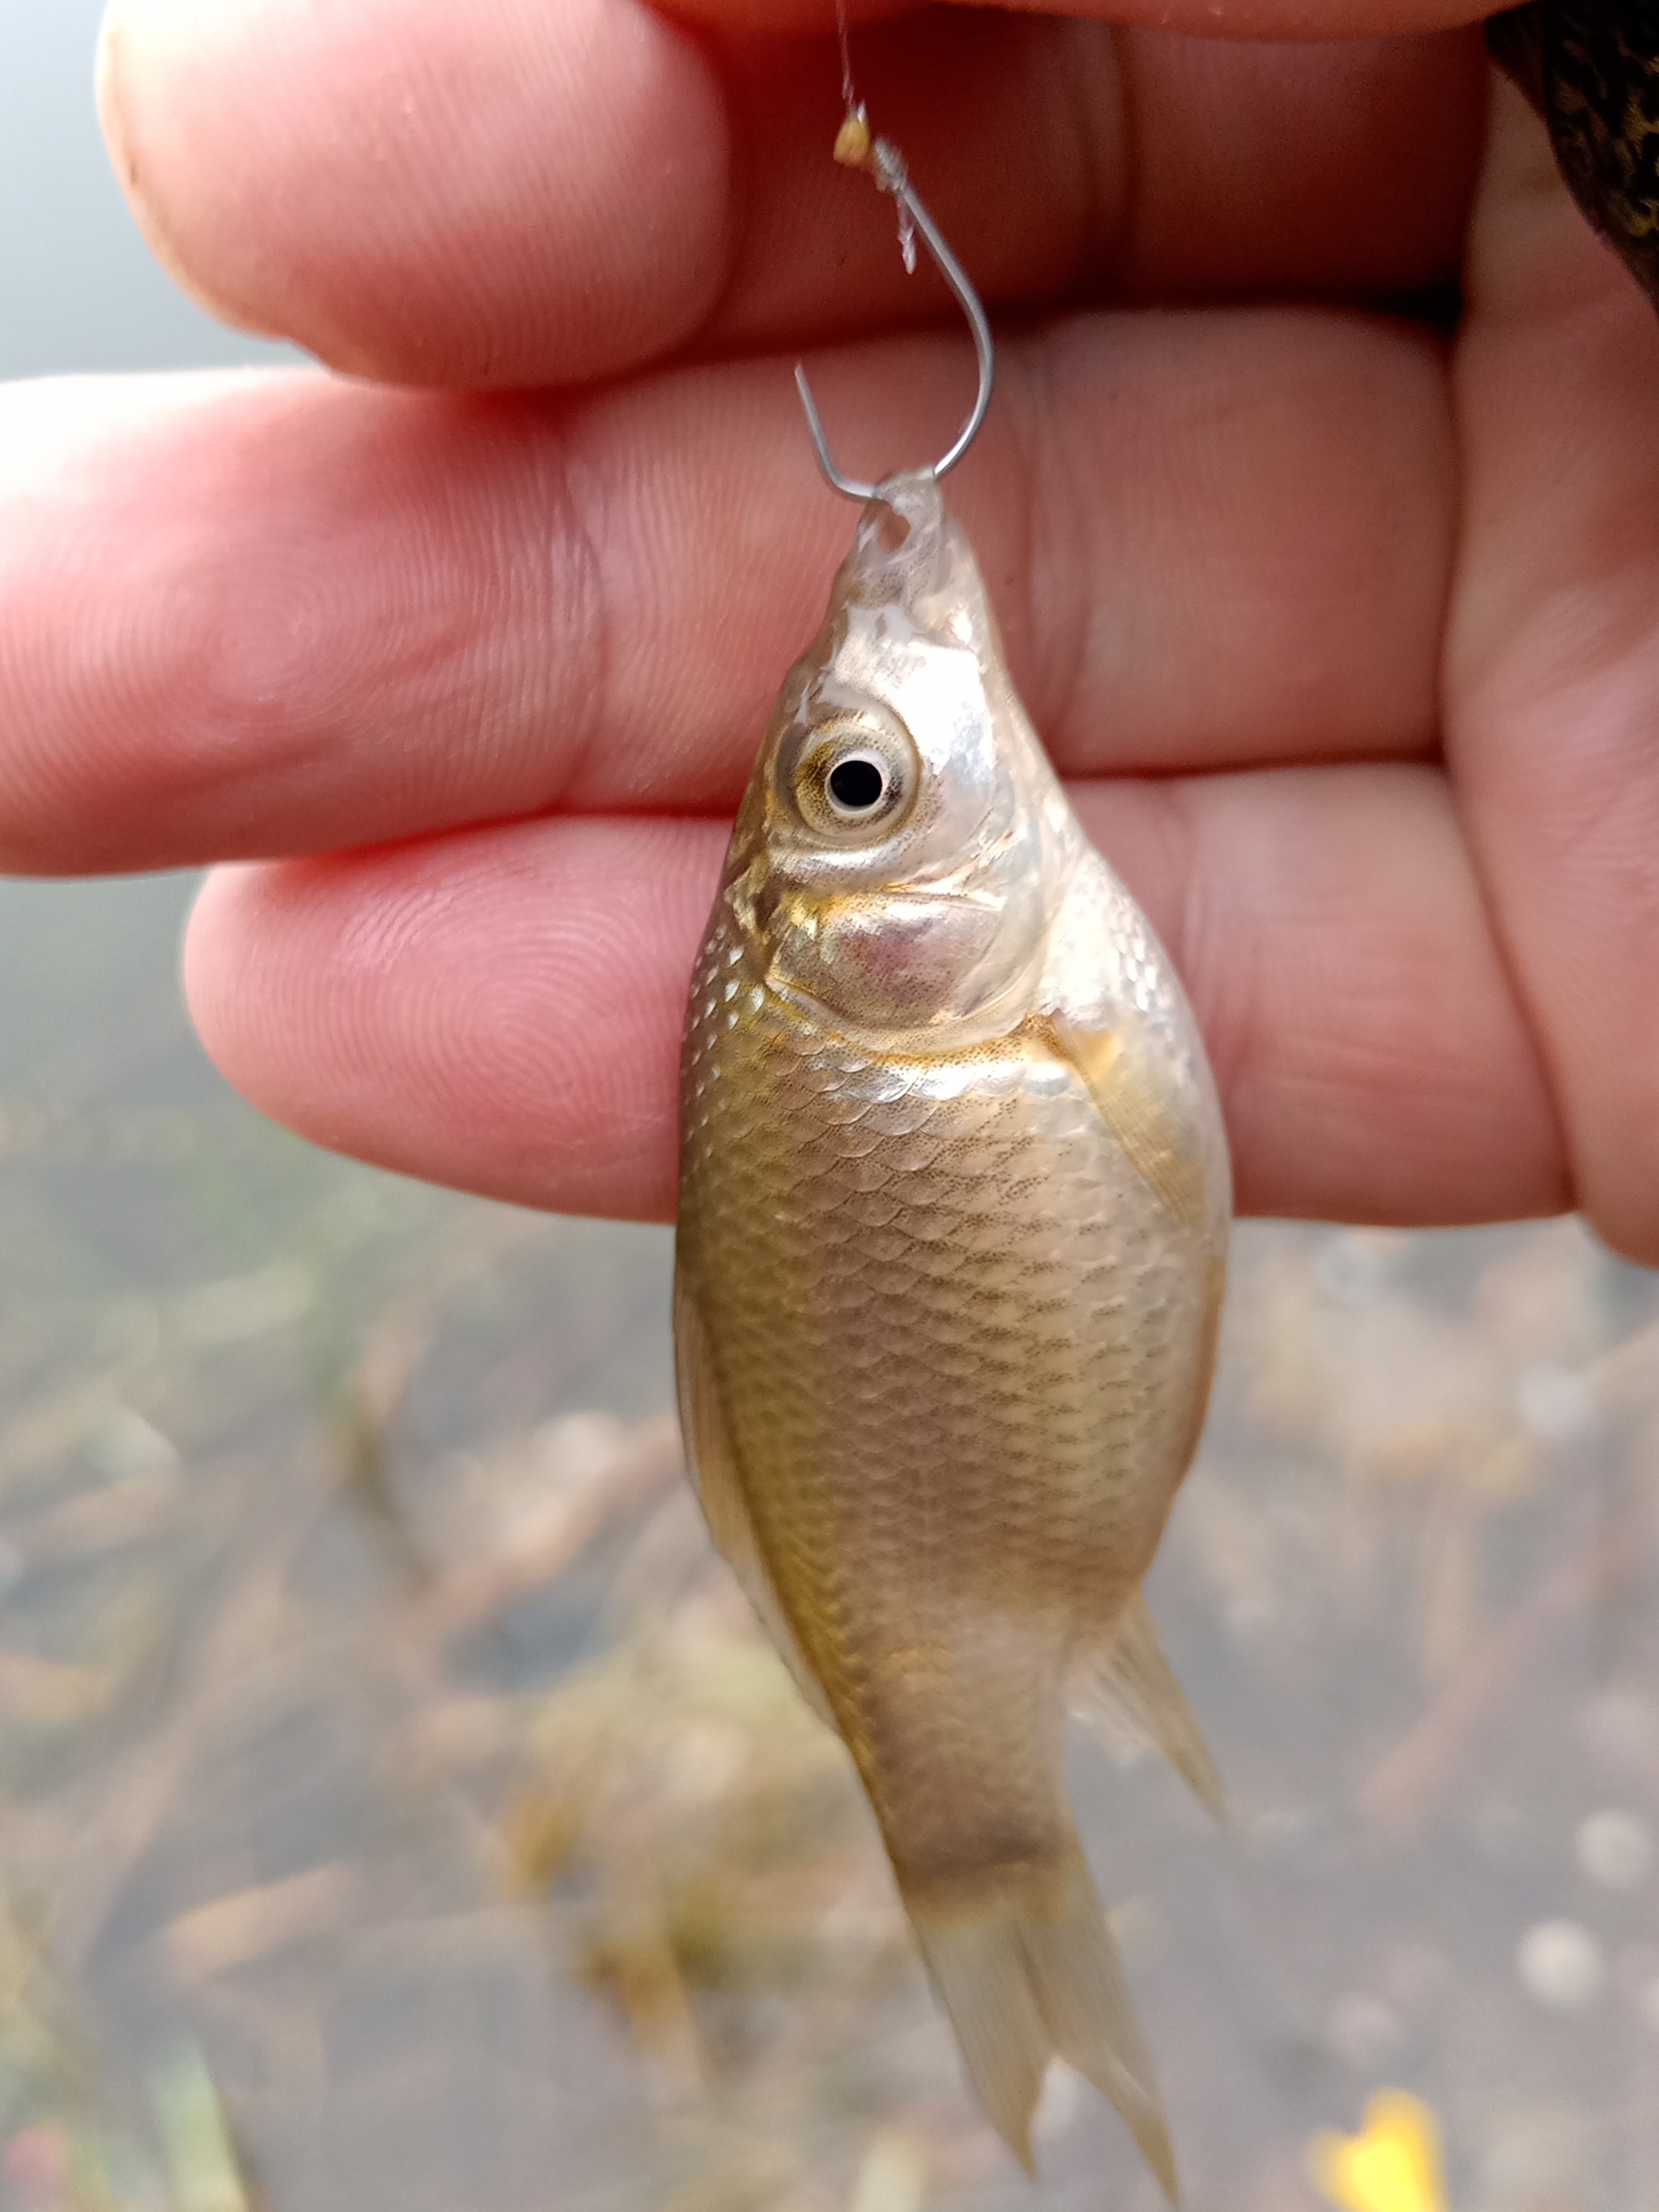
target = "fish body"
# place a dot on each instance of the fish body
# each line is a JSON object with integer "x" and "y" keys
{"x": 954, "y": 1208}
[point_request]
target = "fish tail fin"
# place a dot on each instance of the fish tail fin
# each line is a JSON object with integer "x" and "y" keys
{"x": 1026, "y": 1969}
{"x": 1129, "y": 1697}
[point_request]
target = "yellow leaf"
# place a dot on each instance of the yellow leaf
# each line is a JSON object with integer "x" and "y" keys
{"x": 1393, "y": 2165}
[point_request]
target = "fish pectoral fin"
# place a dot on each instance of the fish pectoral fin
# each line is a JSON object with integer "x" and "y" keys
{"x": 713, "y": 1466}
{"x": 1141, "y": 1107}
{"x": 1129, "y": 1696}
{"x": 1026, "y": 1969}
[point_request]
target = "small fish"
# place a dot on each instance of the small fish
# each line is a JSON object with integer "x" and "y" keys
{"x": 1591, "y": 69}
{"x": 953, "y": 1219}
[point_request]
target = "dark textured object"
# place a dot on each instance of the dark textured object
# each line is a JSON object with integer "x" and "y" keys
{"x": 1591, "y": 69}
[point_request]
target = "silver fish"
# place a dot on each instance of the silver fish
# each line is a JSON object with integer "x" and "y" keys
{"x": 953, "y": 1221}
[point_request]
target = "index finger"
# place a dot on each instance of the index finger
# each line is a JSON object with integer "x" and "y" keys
{"x": 276, "y": 613}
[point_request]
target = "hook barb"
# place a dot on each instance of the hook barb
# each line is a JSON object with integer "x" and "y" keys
{"x": 886, "y": 165}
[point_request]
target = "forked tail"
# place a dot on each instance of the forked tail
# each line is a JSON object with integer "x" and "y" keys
{"x": 1024, "y": 1965}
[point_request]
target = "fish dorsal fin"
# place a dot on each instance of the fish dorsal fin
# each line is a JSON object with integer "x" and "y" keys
{"x": 713, "y": 1466}
{"x": 1140, "y": 1107}
{"x": 1129, "y": 1696}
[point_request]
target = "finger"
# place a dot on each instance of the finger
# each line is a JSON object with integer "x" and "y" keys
{"x": 488, "y": 194}
{"x": 1068, "y": 161}
{"x": 1553, "y": 672}
{"x": 501, "y": 1010}
{"x": 289, "y": 615}
{"x": 509, "y": 196}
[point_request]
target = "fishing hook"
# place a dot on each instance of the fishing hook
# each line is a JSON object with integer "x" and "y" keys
{"x": 857, "y": 149}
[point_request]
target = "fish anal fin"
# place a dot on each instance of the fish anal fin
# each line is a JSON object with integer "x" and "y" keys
{"x": 1127, "y": 1694}
{"x": 1141, "y": 1109}
{"x": 713, "y": 1466}
{"x": 1025, "y": 1968}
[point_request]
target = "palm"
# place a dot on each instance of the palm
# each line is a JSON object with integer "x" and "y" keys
{"x": 1347, "y": 632}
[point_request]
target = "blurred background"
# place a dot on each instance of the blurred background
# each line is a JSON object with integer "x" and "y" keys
{"x": 397, "y": 1807}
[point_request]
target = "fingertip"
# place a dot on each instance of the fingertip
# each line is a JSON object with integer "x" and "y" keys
{"x": 106, "y": 94}
{"x": 112, "y": 88}
{"x": 210, "y": 956}
{"x": 280, "y": 163}
{"x": 500, "y": 1010}
{"x": 270, "y": 1028}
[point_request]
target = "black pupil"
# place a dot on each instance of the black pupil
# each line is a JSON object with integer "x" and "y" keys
{"x": 857, "y": 785}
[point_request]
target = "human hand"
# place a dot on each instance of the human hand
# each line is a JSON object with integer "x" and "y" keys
{"x": 1346, "y": 632}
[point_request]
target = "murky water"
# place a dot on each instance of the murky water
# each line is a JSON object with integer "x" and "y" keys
{"x": 400, "y": 1811}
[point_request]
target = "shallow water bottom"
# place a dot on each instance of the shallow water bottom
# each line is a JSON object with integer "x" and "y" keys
{"x": 401, "y": 1809}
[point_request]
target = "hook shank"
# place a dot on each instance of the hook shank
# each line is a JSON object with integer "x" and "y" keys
{"x": 886, "y": 165}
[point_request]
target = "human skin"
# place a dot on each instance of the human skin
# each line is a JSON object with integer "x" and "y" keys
{"x": 1347, "y": 632}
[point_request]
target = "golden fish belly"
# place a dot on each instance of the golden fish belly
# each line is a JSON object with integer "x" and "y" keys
{"x": 958, "y": 1341}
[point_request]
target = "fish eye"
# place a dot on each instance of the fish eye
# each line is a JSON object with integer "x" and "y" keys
{"x": 856, "y": 784}
{"x": 855, "y": 776}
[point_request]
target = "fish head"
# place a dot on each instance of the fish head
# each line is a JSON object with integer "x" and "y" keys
{"x": 903, "y": 845}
